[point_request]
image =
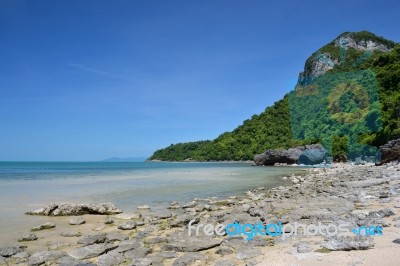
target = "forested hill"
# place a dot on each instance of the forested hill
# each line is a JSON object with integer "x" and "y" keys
{"x": 350, "y": 52}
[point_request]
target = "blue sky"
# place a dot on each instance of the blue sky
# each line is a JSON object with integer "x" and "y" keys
{"x": 88, "y": 80}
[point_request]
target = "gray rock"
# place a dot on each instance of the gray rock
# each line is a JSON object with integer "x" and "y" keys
{"x": 244, "y": 208}
{"x": 304, "y": 247}
{"x": 363, "y": 183}
{"x": 70, "y": 261}
{"x": 20, "y": 255}
{"x": 115, "y": 236}
{"x": 386, "y": 212}
{"x": 30, "y": 237}
{"x": 110, "y": 259}
{"x": 289, "y": 156}
{"x": 130, "y": 244}
{"x": 183, "y": 220}
{"x": 39, "y": 258}
{"x": 312, "y": 156}
{"x": 10, "y": 251}
{"x": 235, "y": 242}
{"x": 77, "y": 221}
{"x": 174, "y": 206}
{"x": 155, "y": 260}
{"x": 142, "y": 262}
{"x": 156, "y": 240}
{"x": 163, "y": 215}
{"x": 349, "y": 243}
{"x": 248, "y": 253}
{"x": 71, "y": 234}
{"x": 143, "y": 207}
{"x": 224, "y": 250}
{"x": 191, "y": 204}
{"x": 256, "y": 212}
{"x": 191, "y": 244}
{"x": 127, "y": 226}
{"x": 224, "y": 263}
{"x": 128, "y": 216}
{"x": 43, "y": 227}
{"x": 189, "y": 258}
{"x": 396, "y": 241}
{"x": 94, "y": 239}
{"x": 389, "y": 152}
{"x": 137, "y": 253}
{"x": 69, "y": 209}
{"x": 91, "y": 251}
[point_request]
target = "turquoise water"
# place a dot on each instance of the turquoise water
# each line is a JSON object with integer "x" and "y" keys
{"x": 29, "y": 185}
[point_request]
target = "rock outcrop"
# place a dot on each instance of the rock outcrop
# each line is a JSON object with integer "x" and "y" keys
{"x": 313, "y": 156}
{"x": 69, "y": 209}
{"x": 389, "y": 152}
{"x": 310, "y": 154}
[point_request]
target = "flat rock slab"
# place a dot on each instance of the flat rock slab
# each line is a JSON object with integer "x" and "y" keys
{"x": 191, "y": 244}
{"x": 10, "y": 251}
{"x": 40, "y": 258}
{"x": 143, "y": 262}
{"x": 127, "y": 226}
{"x": 111, "y": 258}
{"x": 94, "y": 239}
{"x": 70, "y": 209}
{"x": 43, "y": 227}
{"x": 188, "y": 259}
{"x": 30, "y": 237}
{"x": 143, "y": 207}
{"x": 137, "y": 253}
{"x": 91, "y": 251}
{"x": 71, "y": 234}
{"x": 115, "y": 236}
{"x": 128, "y": 216}
{"x": 349, "y": 243}
{"x": 364, "y": 183}
{"x": 127, "y": 245}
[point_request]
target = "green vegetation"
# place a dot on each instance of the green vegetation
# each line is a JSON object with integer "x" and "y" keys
{"x": 270, "y": 129}
{"x": 339, "y": 148}
{"x": 374, "y": 117}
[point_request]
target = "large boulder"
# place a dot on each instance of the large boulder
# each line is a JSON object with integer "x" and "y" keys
{"x": 70, "y": 209}
{"x": 389, "y": 152}
{"x": 313, "y": 156}
{"x": 291, "y": 156}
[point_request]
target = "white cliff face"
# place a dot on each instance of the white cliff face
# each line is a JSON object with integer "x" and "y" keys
{"x": 363, "y": 45}
{"x": 321, "y": 64}
{"x": 323, "y": 61}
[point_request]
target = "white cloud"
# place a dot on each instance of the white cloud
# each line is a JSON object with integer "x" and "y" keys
{"x": 92, "y": 70}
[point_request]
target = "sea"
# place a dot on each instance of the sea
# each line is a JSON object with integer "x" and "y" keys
{"x": 27, "y": 186}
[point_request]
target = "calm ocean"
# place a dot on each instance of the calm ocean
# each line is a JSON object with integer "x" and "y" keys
{"x": 29, "y": 185}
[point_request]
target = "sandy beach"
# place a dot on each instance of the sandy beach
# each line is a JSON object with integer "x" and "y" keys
{"x": 358, "y": 195}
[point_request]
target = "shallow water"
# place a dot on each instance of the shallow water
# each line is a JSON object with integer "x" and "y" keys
{"x": 30, "y": 185}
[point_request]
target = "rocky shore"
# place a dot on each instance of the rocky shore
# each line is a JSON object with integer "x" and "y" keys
{"x": 357, "y": 195}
